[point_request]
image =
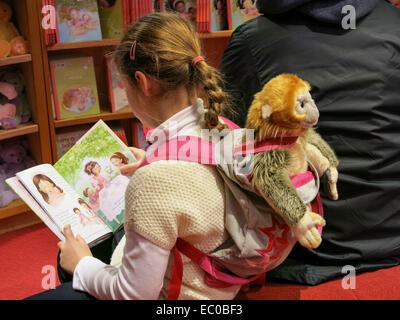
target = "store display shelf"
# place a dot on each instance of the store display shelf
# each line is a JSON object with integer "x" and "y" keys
{"x": 125, "y": 113}
{"x": 15, "y": 60}
{"x": 21, "y": 130}
{"x": 216, "y": 34}
{"x": 115, "y": 42}
{"x": 84, "y": 44}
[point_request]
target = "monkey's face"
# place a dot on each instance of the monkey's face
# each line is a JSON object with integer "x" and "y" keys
{"x": 305, "y": 105}
{"x": 301, "y": 114}
{"x": 284, "y": 105}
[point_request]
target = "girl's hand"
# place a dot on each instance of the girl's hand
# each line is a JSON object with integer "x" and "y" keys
{"x": 72, "y": 250}
{"x": 129, "y": 169}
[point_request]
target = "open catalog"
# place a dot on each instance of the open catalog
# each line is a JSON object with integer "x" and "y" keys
{"x": 85, "y": 188}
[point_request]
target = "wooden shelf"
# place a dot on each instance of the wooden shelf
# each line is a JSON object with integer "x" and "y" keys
{"x": 14, "y": 208}
{"x": 216, "y": 34}
{"x": 21, "y": 130}
{"x": 115, "y": 42}
{"x": 84, "y": 44}
{"x": 124, "y": 113}
{"x": 15, "y": 60}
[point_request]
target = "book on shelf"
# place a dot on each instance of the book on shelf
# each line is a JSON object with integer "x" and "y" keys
{"x": 240, "y": 11}
{"x": 74, "y": 87}
{"x": 84, "y": 189}
{"x": 138, "y": 135}
{"x": 184, "y": 8}
{"x": 116, "y": 88}
{"x": 67, "y": 137}
{"x": 85, "y": 20}
{"x": 212, "y": 15}
{"x": 50, "y": 32}
{"x": 140, "y": 8}
{"x": 77, "y": 20}
{"x": 113, "y": 18}
{"x": 118, "y": 130}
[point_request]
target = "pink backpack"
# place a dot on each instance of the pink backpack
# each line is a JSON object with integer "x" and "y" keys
{"x": 259, "y": 239}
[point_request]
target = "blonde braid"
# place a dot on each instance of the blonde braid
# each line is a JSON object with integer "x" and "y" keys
{"x": 215, "y": 98}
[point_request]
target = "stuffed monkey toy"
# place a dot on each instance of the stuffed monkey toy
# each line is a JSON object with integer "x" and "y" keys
{"x": 285, "y": 108}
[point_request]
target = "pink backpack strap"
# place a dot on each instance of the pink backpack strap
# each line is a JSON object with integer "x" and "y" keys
{"x": 176, "y": 278}
{"x": 272, "y": 143}
{"x": 231, "y": 125}
{"x": 302, "y": 179}
{"x": 214, "y": 274}
{"x": 184, "y": 148}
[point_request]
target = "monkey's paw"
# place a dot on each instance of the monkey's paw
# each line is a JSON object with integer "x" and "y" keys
{"x": 305, "y": 231}
{"x": 329, "y": 180}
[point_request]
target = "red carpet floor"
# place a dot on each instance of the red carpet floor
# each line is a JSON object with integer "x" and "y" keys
{"x": 24, "y": 254}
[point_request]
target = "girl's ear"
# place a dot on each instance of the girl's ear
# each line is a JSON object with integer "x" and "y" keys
{"x": 148, "y": 85}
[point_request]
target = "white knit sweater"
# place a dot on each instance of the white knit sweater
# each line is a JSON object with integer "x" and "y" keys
{"x": 170, "y": 199}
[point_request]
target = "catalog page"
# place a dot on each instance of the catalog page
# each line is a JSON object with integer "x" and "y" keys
{"x": 60, "y": 201}
{"x": 92, "y": 169}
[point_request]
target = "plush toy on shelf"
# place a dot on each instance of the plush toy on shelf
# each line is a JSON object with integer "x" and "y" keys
{"x": 291, "y": 156}
{"x": 14, "y": 108}
{"x": 14, "y": 158}
{"x": 11, "y": 41}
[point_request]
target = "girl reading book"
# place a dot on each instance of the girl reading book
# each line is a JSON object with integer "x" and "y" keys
{"x": 51, "y": 193}
{"x": 165, "y": 200}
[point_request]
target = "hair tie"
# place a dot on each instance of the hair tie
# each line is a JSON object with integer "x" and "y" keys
{"x": 197, "y": 60}
{"x": 133, "y": 51}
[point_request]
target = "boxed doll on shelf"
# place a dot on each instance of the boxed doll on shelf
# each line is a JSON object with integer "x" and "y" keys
{"x": 74, "y": 87}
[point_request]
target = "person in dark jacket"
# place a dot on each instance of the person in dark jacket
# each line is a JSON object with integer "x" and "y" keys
{"x": 355, "y": 77}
